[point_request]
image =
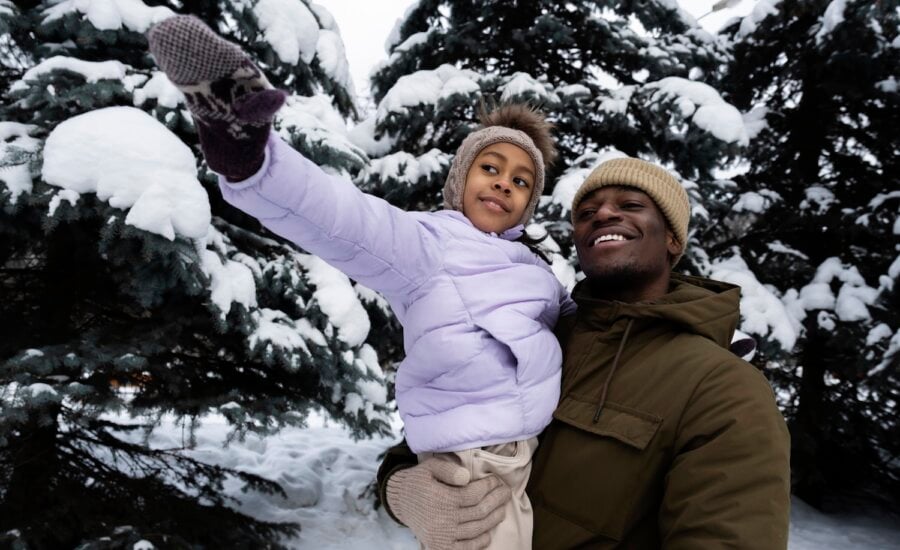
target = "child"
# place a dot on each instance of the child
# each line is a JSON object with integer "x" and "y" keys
{"x": 481, "y": 375}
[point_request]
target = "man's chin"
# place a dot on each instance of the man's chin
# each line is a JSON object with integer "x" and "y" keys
{"x": 627, "y": 276}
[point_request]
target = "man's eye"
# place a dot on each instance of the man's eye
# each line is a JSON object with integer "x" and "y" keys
{"x": 585, "y": 214}
{"x": 632, "y": 205}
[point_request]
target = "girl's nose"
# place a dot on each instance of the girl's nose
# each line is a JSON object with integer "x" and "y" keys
{"x": 503, "y": 186}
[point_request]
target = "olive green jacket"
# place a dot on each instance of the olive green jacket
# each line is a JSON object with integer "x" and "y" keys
{"x": 676, "y": 443}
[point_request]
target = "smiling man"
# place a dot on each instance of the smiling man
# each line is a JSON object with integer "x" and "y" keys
{"x": 662, "y": 437}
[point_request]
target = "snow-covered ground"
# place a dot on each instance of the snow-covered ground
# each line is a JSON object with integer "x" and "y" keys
{"x": 325, "y": 474}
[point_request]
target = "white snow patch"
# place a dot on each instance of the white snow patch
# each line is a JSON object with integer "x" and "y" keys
{"x": 888, "y": 86}
{"x": 275, "y": 328}
{"x": 833, "y": 16}
{"x": 567, "y": 184}
{"x": 878, "y": 333}
{"x": 337, "y": 299}
{"x": 290, "y": 28}
{"x": 143, "y": 545}
{"x": 159, "y": 87}
{"x": 230, "y": 282}
{"x": 318, "y": 121}
{"x": 333, "y": 58}
{"x": 41, "y": 389}
{"x": 523, "y": 85}
{"x": 818, "y": 196}
{"x": 63, "y": 195}
{"x": 426, "y": 87}
{"x": 710, "y": 112}
{"x": 762, "y": 312}
{"x": 406, "y": 169}
{"x": 363, "y": 136}
{"x": 134, "y": 15}
{"x": 755, "y": 121}
{"x": 92, "y": 71}
{"x": 618, "y": 100}
{"x": 761, "y": 10}
{"x": 133, "y": 162}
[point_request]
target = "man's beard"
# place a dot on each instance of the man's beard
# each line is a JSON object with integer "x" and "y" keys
{"x": 613, "y": 279}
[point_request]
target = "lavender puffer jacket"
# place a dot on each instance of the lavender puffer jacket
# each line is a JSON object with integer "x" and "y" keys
{"x": 482, "y": 364}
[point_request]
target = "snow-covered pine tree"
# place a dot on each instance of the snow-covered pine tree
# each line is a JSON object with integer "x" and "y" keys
{"x": 816, "y": 219}
{"x": 615, "y": 77}
{"x": 131, "y": 291}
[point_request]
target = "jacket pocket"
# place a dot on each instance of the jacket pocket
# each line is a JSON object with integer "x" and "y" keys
{"x": 597, "y": 475}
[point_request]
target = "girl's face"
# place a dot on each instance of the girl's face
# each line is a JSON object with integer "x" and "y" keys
{"x": 498, "y": 187}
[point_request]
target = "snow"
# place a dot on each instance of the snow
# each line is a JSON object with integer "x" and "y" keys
{"x": 523, "y": 85}
{"x": 819, "y": 196}
{"x": 64, "y": 195}
{"x": 290, "y": 28}
{"x": 333, "y": 58}
{"x": 425, "y": 87}
{"x": 41, "y": 389}
{"x": 133, "y": 162}
{"x": 338, "y": 300}
{"x": 405, "y": 169}
{"x": 143, "y": 545}
{"x": 618, "y": 100}
{"x": 16, "y": 177}
{"x": 92, "y": 71}
{"x": 780, "y": 248}
{"x": 761, "y": 10}
{"x": 833, "y": 16}
{"x": 230, "y": 282}
{"x": 569, "y": 182}
{"x": 877, "y": 334}
{"x": 134, "y": 15}
{"x": 755, "y": 121}
{"x": 750, "y": 202}
{"x": 316, "y": 119}
{"x": 363, "y": 136}
{"x": 853, "y": 298}
{"x": 326, "y": 474}
{"x": 710, "y": 112}
{"x": 888, "y": 86}
{"x": 160, "y": 88}
{"x": 762, "y": 312}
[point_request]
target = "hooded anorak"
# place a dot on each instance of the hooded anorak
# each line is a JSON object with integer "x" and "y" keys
{"x": 482, "y": 364}
{"x": 687, "y": 450}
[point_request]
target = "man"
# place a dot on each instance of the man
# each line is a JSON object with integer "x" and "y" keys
{"x": 662, "y": 438}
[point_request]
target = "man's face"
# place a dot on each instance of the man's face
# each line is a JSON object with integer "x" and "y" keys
{"x": 622, "y": 238}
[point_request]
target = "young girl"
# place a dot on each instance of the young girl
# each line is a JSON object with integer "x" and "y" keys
{"x": 481, "y": 375}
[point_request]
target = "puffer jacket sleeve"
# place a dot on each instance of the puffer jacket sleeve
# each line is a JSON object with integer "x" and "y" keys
{"x": 370, "y": 240}
{"x": 729, "y": 483}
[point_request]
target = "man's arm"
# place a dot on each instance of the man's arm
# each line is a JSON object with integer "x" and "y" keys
{"x": 729, "y": 483}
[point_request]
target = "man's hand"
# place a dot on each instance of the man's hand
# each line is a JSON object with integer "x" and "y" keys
{"x": 229, "y": 97}
{"x": 443, "y": 509}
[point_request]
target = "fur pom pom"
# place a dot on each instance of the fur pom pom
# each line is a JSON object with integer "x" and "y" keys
{"x": 523, "y": 117}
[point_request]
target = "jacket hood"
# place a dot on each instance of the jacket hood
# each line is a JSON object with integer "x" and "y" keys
{"x": 703, "y": 306}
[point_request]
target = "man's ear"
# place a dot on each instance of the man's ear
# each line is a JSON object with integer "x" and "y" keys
{"x": 672, "y": 245}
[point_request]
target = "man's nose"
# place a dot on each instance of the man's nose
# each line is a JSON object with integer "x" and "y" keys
{"x": 503, "y": 186}
{"x": 607, "y": 212}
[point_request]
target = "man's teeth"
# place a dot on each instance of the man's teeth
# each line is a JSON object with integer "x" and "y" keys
{"x": 605, "y": 238}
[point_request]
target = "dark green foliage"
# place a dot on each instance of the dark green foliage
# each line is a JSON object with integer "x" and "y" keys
{"x": 829, "y": 151}
{"x": 110, "y": 330}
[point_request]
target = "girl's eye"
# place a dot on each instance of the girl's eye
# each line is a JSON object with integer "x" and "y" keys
{"x": 520, "y": 182}
{"x": 489, "y": 169}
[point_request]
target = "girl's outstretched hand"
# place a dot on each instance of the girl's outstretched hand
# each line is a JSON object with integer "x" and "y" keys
{"x": 231, "y": 100}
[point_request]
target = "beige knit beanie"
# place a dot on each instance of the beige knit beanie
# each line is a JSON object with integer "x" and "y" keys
{"x": 668, "y": 194}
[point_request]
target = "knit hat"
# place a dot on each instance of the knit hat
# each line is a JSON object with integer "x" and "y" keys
{"x": 657, "y": 182}
{"x": 517, "y": 124}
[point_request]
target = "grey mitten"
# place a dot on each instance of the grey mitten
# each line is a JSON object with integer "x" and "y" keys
{"x": 443, "y": 509}
{"x": 231, "y": 100}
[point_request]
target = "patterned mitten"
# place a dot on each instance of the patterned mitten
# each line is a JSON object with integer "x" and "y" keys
{"x": 231, "y": 100}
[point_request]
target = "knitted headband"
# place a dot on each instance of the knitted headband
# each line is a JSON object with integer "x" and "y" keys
{"x": 668, "y": 194}
{"x": 474, "y": 144}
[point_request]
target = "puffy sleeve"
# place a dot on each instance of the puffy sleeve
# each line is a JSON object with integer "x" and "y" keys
{"x": 370, "y": 240}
